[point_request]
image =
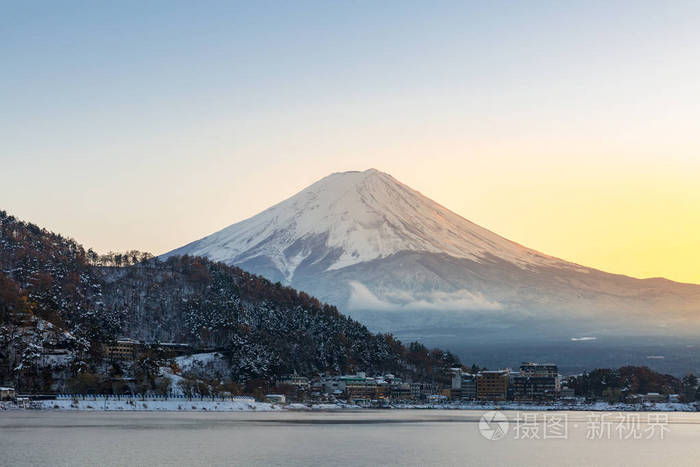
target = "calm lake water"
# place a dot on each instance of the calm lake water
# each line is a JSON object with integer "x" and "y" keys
{"x": 399, "y": 437}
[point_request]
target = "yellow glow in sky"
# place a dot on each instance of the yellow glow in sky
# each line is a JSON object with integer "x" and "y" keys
{"x": 632, "y": 216}
{"x": 568, "y": 127}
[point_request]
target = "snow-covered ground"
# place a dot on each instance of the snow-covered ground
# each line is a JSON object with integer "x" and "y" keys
{"x": 200, "y": 363}
{"x": 175, "y": 405}
{"x": 185, "y": 405}
{"x": 198, "y": 359}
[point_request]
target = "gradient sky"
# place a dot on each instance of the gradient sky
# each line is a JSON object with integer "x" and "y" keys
{"x": 570, "y": 127}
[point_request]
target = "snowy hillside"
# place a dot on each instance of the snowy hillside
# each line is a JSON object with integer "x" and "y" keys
{"x": 60, "y": 305}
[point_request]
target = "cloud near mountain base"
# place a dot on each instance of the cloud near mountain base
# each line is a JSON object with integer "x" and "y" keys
{"x": 361, "y": 298}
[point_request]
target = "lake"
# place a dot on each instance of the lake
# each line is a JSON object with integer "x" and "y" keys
{"x": 365, "y": 438}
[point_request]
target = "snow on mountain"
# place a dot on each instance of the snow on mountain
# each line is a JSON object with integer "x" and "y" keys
{"x": 359, "y": 216}
{"x": 370, "y": 244}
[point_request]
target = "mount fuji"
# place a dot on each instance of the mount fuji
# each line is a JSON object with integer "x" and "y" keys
{"x": 400, "y": 262}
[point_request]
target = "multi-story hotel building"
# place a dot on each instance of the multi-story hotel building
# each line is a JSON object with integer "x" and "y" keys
{"x": 492, "y": 385}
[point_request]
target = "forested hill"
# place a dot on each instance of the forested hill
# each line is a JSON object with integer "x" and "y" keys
{"x": 267, "y": 328}
{"x": 54, "y": 293}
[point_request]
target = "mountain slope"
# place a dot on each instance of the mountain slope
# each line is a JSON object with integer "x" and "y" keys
{"x": 374, "y": 246}
{"x": 354, "y": 217}
{"x": 56, "y": 298}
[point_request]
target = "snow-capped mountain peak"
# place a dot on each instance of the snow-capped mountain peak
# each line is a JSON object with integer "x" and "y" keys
{"x": 373, "y": 246}
{"x": 353, "y": 217}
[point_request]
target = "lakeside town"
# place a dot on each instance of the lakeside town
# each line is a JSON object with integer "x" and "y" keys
{"x": 78, "y": 328}
{"x": 534, "y": 386}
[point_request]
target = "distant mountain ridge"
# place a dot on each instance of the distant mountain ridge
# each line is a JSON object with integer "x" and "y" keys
{"x": 374, "y": 247}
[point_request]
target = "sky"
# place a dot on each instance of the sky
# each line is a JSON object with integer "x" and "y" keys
{"x": 569, "y": 127}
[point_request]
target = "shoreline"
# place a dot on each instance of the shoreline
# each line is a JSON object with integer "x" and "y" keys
{"x": 140, "y": 405}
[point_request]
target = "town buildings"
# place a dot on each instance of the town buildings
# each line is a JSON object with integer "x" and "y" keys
{"x": 652, "y": 397}
{"x": 122, "y": 349}
{"x": 275, "y": 398}
{"x": 535, "y": 382}
{"x": 463, "y": 385}
{"x": 539, "y": 369}
{"x": 421, "y": 391}
{"x": 301, "y": 383}
{"x": 360, "y": 387}
{"x": 492, "y": 385}
{"x": 131, "y": 349}
{"x": 7, "y": 393}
